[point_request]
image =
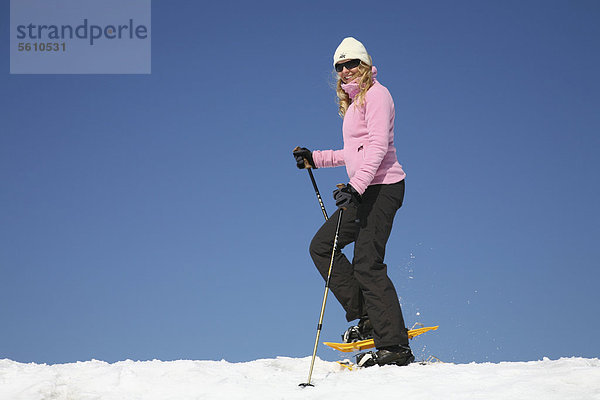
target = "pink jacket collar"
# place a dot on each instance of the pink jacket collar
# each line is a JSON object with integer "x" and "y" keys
{"x": 353, "y": 89}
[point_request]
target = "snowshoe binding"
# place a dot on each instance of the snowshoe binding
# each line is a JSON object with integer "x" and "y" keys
{"x": 362, "y": 331}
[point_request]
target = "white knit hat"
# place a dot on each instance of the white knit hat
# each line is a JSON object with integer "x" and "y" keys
{"x": 351, "y": 49}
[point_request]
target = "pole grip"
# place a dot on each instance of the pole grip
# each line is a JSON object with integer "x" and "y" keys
{"x": 306, "y": 163}
{"x": 341, "y": 186}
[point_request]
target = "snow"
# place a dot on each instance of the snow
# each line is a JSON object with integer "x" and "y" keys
{"x": 566, "y": 378}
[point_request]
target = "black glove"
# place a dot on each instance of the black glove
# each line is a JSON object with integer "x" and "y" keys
{"x": 301, "y": 154}
{"x": 345, "y": 196}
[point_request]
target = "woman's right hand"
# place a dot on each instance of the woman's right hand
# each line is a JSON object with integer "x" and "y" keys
{"x": 303, "y": 157}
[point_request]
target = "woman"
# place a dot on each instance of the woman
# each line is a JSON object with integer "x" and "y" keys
{"x": 370, "y": 200}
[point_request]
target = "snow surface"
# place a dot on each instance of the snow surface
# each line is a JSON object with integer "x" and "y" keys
{"x": 566, "y": 378}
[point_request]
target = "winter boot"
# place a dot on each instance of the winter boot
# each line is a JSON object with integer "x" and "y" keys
{"x": 396, "y": 355}
{"x": 391, "y": 355}
{"x": 362, "y": 331}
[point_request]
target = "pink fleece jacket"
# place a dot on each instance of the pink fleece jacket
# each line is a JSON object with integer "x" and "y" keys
{"x": 368, "y": 131}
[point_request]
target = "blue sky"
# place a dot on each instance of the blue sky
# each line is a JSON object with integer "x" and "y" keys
{"x": 162, "y": 215}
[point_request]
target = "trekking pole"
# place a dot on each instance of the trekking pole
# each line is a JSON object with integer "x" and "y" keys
{"x": 308, "y": 167}
{"x": 312, "y": 178}
{"x": 320, "y": 324}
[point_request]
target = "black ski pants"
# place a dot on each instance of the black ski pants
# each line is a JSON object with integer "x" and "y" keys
{"x": 363, "y": 287}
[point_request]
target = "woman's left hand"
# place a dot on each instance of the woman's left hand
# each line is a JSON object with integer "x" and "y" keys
{"x": 303, "y": 158}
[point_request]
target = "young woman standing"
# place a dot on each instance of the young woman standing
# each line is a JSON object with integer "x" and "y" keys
{"x": 371, "y": 198}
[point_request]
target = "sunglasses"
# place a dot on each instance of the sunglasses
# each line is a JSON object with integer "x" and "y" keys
{"x": 348, "y": 64}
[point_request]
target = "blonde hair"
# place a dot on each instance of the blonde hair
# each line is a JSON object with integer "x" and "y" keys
{"x": 365, "y": 81}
